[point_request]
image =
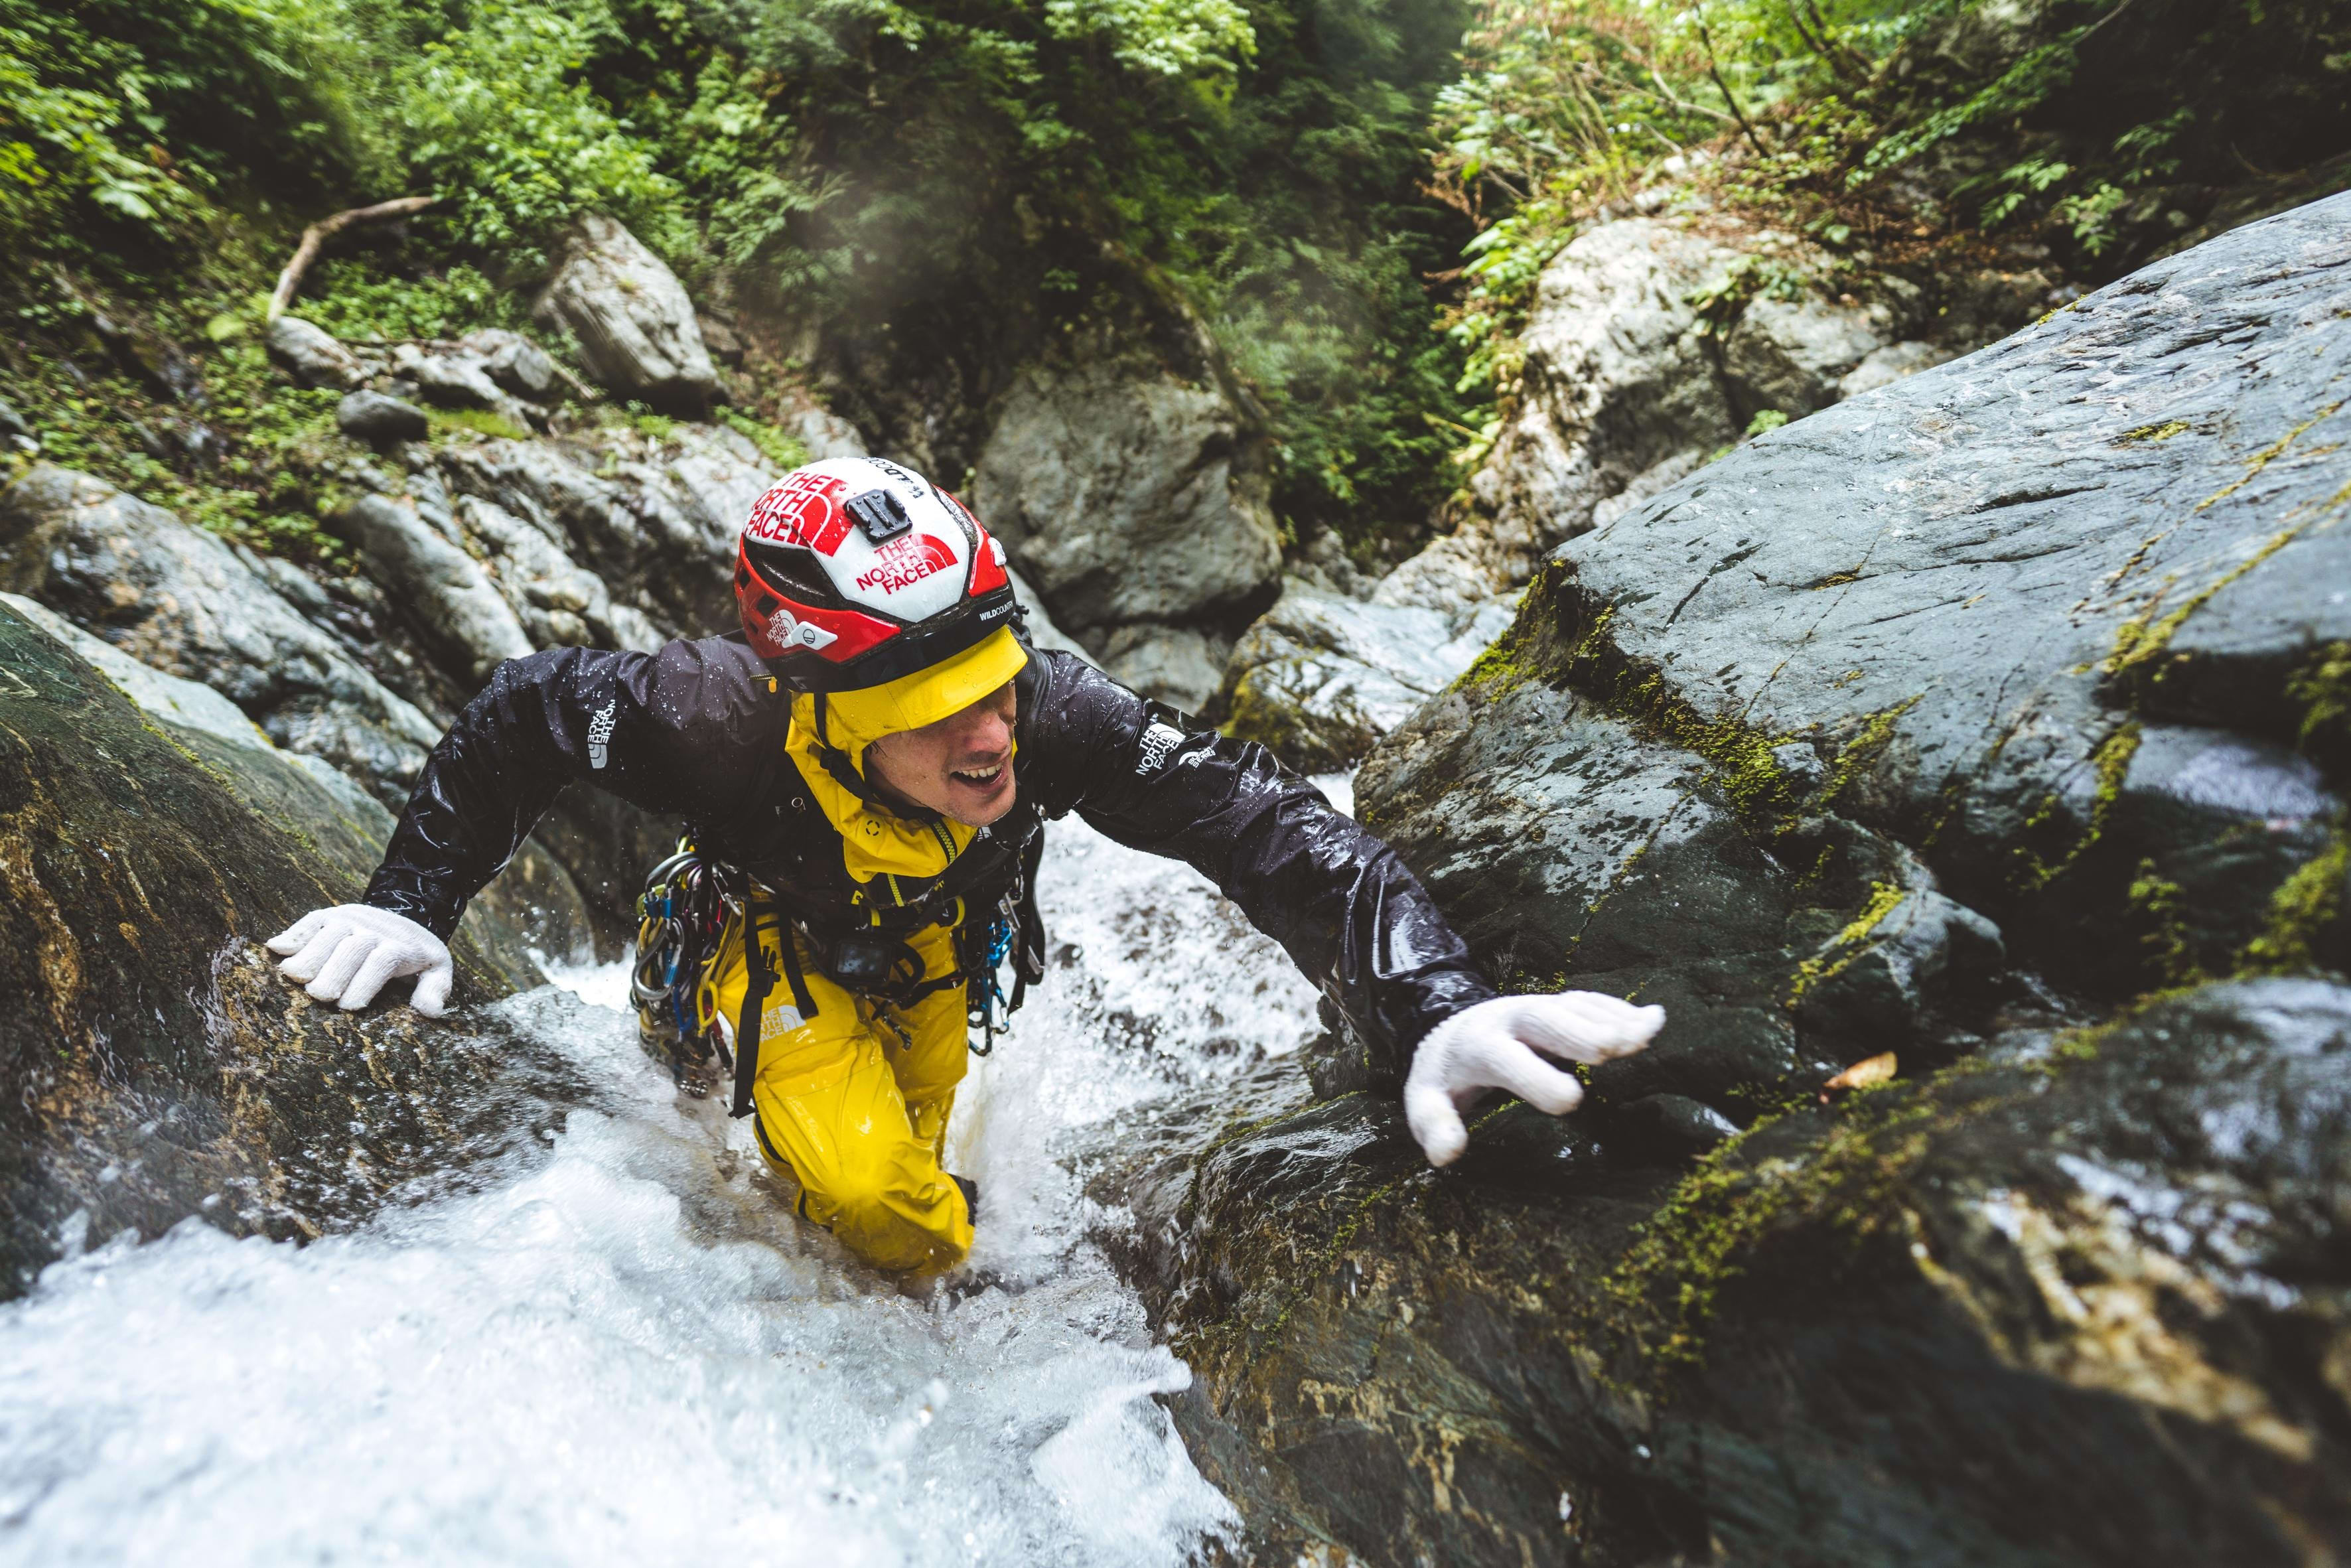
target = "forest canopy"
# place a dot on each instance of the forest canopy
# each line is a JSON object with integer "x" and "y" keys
{"x": 1355, "y": 195}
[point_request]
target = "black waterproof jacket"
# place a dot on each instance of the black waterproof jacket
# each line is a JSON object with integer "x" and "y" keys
{"x": 697, "y": 730}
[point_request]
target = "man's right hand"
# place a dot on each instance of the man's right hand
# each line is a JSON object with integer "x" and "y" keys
{"x": 1493, "y": 1045}
{"x": 347, "y": 954}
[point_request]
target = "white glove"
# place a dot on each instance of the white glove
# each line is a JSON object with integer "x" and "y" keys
{"x": 1493, "y": 1046}
{"x": 347, "y": 953}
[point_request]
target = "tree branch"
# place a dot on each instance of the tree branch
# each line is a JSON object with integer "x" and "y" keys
{"x": 318, "y": 234}
{"x": 1715, "y": 70}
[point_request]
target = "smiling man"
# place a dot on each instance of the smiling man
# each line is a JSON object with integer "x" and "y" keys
{"x": 865, "y": 769}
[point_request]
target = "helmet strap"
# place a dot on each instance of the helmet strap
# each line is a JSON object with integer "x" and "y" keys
{"x": 844, "y": 772}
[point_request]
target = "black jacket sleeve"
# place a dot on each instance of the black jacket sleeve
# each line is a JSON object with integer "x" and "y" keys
{"x": 666, "y": 731}
{"x": 1340, "y": 902}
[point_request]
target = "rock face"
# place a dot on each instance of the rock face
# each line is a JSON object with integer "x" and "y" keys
{"x": 634, "y": 324}
{"x": 182, "y": 602}
{"x": 1941, "y": 724}
{"x": 1132, "y": 499}
{"x": 1321, "y": 677}
{"x": 1652, "y": 343}
{"x": 608, "y": 533}
{"x": 155, "y": 1066}
{"x": 657, "y": 526}
{"x": 2055, "y": 1312}
{"x": 534, "y": 900}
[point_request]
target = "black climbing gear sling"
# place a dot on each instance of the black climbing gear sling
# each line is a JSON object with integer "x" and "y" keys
{"x": 689, "y": 899}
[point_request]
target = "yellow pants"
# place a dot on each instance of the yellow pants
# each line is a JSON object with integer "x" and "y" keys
{"x": 852, "y": 1109}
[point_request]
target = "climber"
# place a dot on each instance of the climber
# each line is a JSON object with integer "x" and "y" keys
{"x": 864, "y": 769}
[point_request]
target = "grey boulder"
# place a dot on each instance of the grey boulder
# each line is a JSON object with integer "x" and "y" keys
{"x": 1791, "y": 356}
{"x": 449, "y": 598}
{"x": 380, "y": 418}
{"x": 180, "y": 602}
{"x": 1884, "y": 367}
{"x": 1322, "y": 677}
{"x": 154, "y": 1066}
{"x": 823, "y": 432}
{"x": 314, "y": 356}
{"x": 1179, "y": 665}
{"x": 516, "y": 363}
{"x": 1647, "y": 352}
{"x": 1965, "y": 769}
{"x": 656, "y": 520}
{"x": 1126, "y": 495}
{"x": 461, "y": 380}
{"x": 2024, "y": 655}
{"x": 634, "y": 324}
{"x": 558, "y": 604}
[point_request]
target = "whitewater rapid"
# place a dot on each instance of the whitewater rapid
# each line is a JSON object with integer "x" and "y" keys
{"x": 619, "y": 1349}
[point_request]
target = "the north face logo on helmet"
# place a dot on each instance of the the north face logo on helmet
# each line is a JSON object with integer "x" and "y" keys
{"x": 904, "y": 562}
{"x": 805, "y": 510}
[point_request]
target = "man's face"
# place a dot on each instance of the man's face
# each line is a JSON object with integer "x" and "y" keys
{"x": 960, "y": 767}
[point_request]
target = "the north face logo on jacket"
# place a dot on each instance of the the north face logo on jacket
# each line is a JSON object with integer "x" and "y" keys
{"x": 1157, "y": 742}
{"x": 600, "y": 733}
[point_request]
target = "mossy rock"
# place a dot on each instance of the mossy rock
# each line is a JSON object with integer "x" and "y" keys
{"x": 156, "y": 1066}
{"x": 2070, "y": 1307}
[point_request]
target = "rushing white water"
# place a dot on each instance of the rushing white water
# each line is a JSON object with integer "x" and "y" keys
{"x": 619, "y": 1349}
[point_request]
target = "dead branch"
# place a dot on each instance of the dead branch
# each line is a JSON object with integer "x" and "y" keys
{"x": 318, "y": 234}
{"x": 1715, "y": 70}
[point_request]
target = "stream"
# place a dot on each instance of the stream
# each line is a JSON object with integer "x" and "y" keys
{"x": 618, "y": 1348}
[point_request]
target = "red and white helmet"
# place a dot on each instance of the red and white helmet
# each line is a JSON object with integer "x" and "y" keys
{"x": 854, "y": 571}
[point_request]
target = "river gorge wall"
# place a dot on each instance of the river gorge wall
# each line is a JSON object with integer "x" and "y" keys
{"x": 1962, "y": 765}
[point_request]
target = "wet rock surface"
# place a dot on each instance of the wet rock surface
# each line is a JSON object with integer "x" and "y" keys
{"x": 183, "y": 602}
{"x": 1130, "y": 497}
{"x": 2083, "y": 1309}
{"x": 1322, "y": 677}
{"x": 156, "y": 1065}
{"x": 1913, "y": 743}
{"x": 1652, "y": 344}
{"x": 634, "y": 324}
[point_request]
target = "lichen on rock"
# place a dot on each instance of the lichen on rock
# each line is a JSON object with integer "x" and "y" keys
{"x": 157, "y": 1066}
{"x": 1989, "y": 722}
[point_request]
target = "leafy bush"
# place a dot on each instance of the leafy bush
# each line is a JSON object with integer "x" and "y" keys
{"x": 496, "y": 117}
{"x": 126, "y": 118}
{"x": 2079, "y": 117}
{"x": 354, "y": 299}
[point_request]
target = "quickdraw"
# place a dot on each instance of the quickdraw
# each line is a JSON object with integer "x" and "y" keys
{"x": 681, "y": 917}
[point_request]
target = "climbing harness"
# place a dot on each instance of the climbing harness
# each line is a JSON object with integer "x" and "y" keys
{"x": 689, "y": 900}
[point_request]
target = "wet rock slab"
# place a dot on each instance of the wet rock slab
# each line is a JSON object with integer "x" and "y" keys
{"x": 155, "y": 1065}
{"x": 2088, "y": 1309}
{"x": 1988, "y": 728}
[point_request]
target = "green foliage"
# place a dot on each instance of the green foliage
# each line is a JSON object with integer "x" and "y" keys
{"x": 497, "y": 120}
{"x": 355, "y": 299}
{"x": 261, "y": 488}
{"x": 2106, "y": 124}
{"x": 122, "y": 122}
{"x": 776, "y": 446}
{"x": 1164, "y": 37}
{"x": 1257, "y": 165}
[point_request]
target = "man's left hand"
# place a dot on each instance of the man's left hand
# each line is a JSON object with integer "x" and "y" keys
{"x": 1493, "y": 1046}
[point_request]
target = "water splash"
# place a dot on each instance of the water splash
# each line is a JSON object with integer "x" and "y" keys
{"x": 620, "y": 1349}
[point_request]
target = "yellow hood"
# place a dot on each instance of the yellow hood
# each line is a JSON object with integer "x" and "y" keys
{"x": 876, "y": 841}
